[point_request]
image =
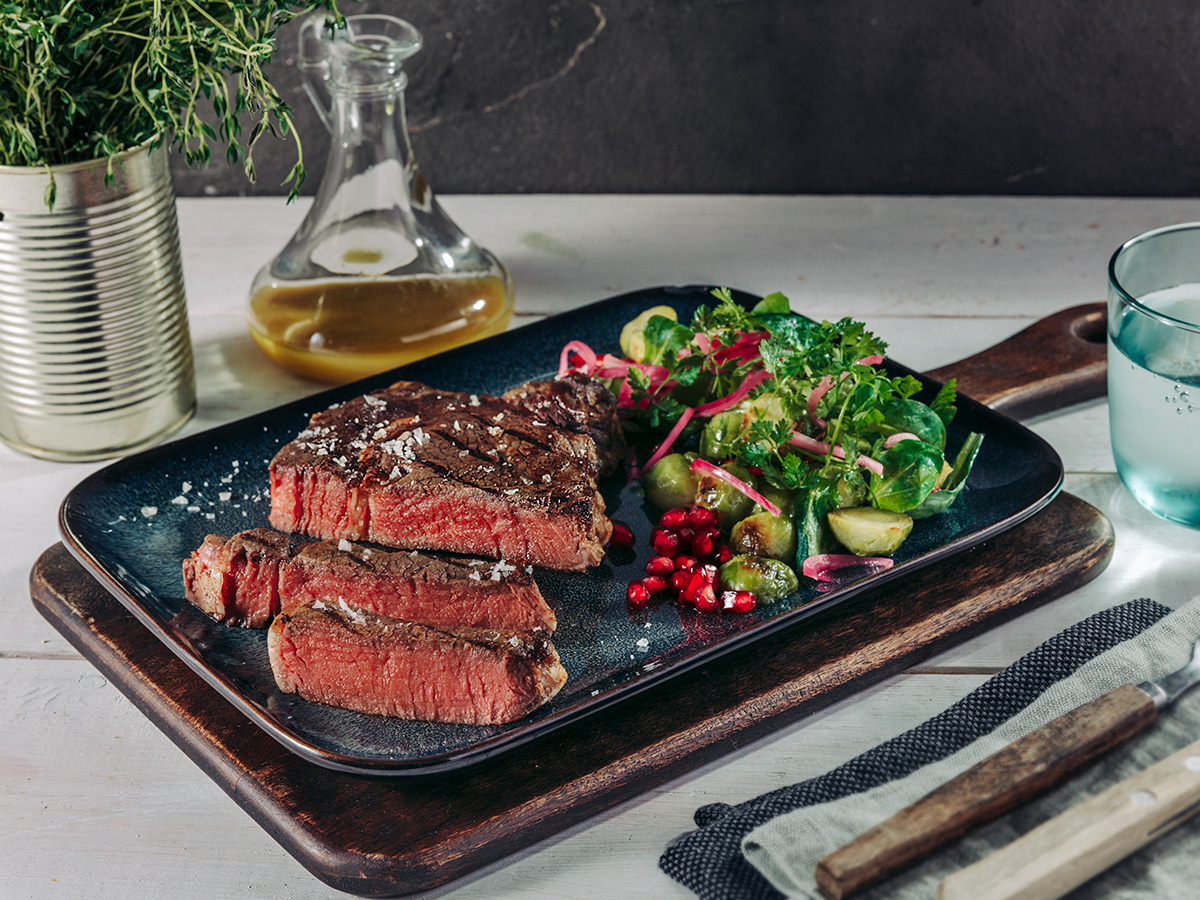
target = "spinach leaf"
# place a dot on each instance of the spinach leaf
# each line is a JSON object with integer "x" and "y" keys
{"x": 813, "y": 535}
{"x": 910, "y": 471}
{"x": 940, "y": 500}
{"x": 916, "y": 418}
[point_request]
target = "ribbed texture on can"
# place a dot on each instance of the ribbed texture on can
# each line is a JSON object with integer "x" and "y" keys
{"x": 94, "y": 341}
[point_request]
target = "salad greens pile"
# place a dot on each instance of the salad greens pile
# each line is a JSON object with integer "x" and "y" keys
{"x": 797, "y": 410}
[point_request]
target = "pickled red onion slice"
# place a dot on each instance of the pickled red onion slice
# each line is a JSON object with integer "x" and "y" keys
{"x": 899, "y": 436}
{"x": 703, "y": 465}
{"x": 820, "y": 448}
{"x": 834, "y": 566}
{"x": 665, "y": 447}
{"x": 749, "y": 383}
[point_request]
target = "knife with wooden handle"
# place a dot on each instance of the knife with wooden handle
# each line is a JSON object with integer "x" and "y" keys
{"x": 1027, "y": 767}
{"x": 1076, "y": 845}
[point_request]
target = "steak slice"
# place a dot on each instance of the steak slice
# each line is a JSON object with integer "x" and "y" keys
{"x": 247, "y": 579}
{"x": 236, "y": 581}
{"x": 576, "y": 402}
{"x": 418, "y": 468}
{"x": 417, "y": 587}
{"x": 348, "y": 658}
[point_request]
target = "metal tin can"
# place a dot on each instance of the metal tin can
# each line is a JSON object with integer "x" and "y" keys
{"x": 95, "y": 352}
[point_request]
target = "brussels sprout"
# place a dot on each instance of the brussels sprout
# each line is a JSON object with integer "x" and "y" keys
{"x": 781, "y": 497}
{"x": 730, "y": 503}
{"x": 851, "y": 490}
{"x": 767, "y": 407}
{"x": 867, "y": 531}
{"x": 767, "y": 579}
{"x": 633, "y": 335}
{"x": 762, "y": 534}
{"x": 720, "y": 432}
{"x": 671, "y": 482}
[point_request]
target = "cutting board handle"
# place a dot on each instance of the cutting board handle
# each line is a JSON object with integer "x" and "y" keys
{"x": 1055, "y": 362}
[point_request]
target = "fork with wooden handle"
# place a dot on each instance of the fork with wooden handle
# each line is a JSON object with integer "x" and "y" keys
{"x": 1014, "y": 775}
{"x": 1076, "y": 845}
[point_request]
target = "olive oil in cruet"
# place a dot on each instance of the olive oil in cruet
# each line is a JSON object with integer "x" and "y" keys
{"x": 377, "y": 275}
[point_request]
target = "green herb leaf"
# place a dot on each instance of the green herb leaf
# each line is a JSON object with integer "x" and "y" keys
{"x": 89, "y": 79}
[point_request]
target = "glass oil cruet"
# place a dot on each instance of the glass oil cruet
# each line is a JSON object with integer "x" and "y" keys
{"x": 377, "y": 275}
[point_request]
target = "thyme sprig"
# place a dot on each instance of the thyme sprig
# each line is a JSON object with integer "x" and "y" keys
{"x": 89, "y": 79}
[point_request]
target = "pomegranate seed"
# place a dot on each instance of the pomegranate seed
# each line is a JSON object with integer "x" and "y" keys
{"x": 637, "y": 595}
{"x": 685, "y": 539}
{"x": 679, "y": 580}
{"x": 706, "y": 599}
{"x": 621, "y": 538}
{"x": 660, "y": 565}
{"x": 685, "y": 563}
{"x": 655, "y": 584}
{"x": 722, "y": 555}
{"x": 738, "y": 601}
{"x": 664, "y": 542}
{"x": 703, "y": 543}
{"x": 702, "y": 517}
{"x": 674, "y": 519}
{"x": 698, "y": 581}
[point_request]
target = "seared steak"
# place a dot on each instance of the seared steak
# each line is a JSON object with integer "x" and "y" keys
{"x": 247, "y": 579}
{"x": 418, "y": 468}
{"x": 337, "y": 655}
{"x": 578, "y": 403}
{"x": 237, "y": 581}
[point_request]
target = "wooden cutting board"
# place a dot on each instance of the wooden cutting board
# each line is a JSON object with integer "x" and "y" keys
{"x": 414, "y": 833}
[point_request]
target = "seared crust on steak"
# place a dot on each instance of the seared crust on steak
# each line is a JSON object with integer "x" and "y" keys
{"x": 579, "y": 403}
{"x": 344, "y": 657}
{"x": 247, "y": 579}
{"x": 418, "y": 468}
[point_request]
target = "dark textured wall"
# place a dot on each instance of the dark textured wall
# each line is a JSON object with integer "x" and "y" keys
{"x": 1088, "y": 97}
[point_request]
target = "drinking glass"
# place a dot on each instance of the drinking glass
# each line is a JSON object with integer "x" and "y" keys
{"x": 1154, "y": 369}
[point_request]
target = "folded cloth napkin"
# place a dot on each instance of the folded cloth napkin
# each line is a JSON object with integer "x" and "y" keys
{"x": 768, "y": 847}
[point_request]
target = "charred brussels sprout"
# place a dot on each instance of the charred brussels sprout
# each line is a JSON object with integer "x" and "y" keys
{"x": 767, "y": 579}
{"x": 671, "y": 482}
{"x": 729, "y": 503}
{"x": 762, "y": 534}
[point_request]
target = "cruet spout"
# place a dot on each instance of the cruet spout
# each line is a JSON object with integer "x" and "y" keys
{"x": 369, "y": 48}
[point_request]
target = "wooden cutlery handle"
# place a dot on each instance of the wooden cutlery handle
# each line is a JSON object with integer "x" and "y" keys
{"x": 1074, "y": 846}
{"x": 1003, "y": 781}
{"x": 1055, "y": 362}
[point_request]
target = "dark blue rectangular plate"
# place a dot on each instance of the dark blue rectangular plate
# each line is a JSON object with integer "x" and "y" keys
{"x": 132, "y": 523}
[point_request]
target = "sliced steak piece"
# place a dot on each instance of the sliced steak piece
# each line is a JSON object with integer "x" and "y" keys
{"x": 344, "y": 657}
{"x": 576, "y": 402}
{"x": 417, "y": 468}
{"x": 247, "y": 579}
{"x": 417, "y": 587}
{"x": 236, "y": 581}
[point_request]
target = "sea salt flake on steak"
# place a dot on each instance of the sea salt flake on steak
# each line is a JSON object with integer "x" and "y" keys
{"x": 373, "y": 664}
{"x": 525, "y": 490}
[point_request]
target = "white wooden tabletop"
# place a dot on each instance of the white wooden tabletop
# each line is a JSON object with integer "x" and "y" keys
{"x": 96, "y": 803}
